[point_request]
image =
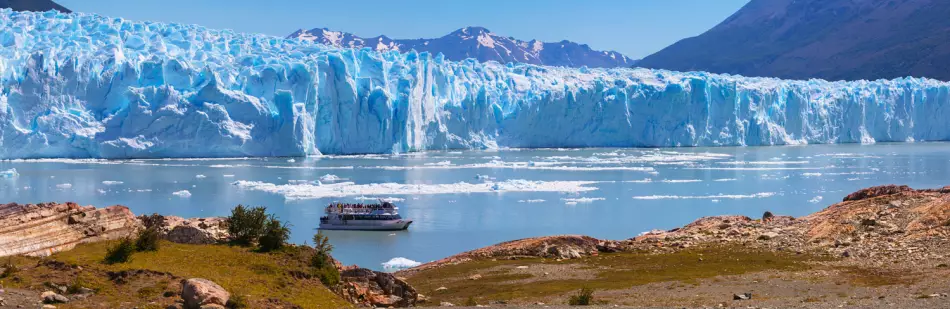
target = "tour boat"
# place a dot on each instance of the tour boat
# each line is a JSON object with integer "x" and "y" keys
{"x": 365, "y": 217}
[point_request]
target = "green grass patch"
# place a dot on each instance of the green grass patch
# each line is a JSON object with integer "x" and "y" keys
{"x": 258, "y": 277}
{"x": 869, "y": 277}
{"x": 612, "y": 272}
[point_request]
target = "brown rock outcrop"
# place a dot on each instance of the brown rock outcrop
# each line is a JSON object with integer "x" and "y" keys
{"x": 188, "y": 231}
{"x": 872, "y": 192}
{"x": 45, "y": 228}
{"x": 377, "y": 289}
{"x": 203, "y": 293}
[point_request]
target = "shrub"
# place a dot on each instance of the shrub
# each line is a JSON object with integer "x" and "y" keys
{"x": 584, "y": 297}
{"x": 328, "y": 275}
{"x": 321, "y": 262}
{"x": 120, "y": 252}
{"x": 322, "y": 243}
{"x": 471, "y": 302}
{"x": 246, "y": 224}
{"x": 9, "y": 269}
{"x": 77, "y": 285}
{"x": 275, "y": 235}
{"x": 237, "y": 302}
{"x": 148, "y": 240}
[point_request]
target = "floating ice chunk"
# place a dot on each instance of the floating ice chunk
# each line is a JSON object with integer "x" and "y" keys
{"x": 811, "y": 174}
{"x": 10, "y": 173}
{"x": 291, "y": 160}
{"x": 112, "y": 182}
{"x": 344, "y": 189}
{"x": 227, "y": 175}
{"x": 148, "y": 190}
{"x": 717, "y": 196}
{"x": 200, "y": 176}
{"x": 329, "y": 178}
{"x": 442, "y": 163}
{"x": 816, "y": 200}
{"x": 384, "y": 199}
{"x": 550, "y": 166}
{"x": 182, "y": 193}
{"x": 776, "y": 161}
{"x": 531, "y": 201}
{"x": 400, "y": 263}
{"x": 724, "y": 179}
{"x": 484, "y": 177}
{"x": 585, "y": 200}
{"x": 100, "y": 191}
{"x": 753, "y": 168}
{"x": 64, "y": 185}
{"x": 681, "y": 180}
{"x": 645, "y": 180}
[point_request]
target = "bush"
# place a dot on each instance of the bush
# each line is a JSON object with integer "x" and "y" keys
{"x": 246, "y": 225}
{"x": 471, "y": 302}
{"x": 328, "y": 275}
{"x": 322, "y": 243}
{"x": 584, "y": 297}
{"x": 275, "y": 235}
{"x": 147, "y": 240}
{"x": 120, "y": 252}
{"x": 321, "y": 262}
{"x": 237, "y": 302}
{"x": 9, "y": 269}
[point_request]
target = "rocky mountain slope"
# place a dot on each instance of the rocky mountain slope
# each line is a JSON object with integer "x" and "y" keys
{"x": 32, "y": 5}
{"x": 481, "y": 44}
{"x": 828, "y": 39}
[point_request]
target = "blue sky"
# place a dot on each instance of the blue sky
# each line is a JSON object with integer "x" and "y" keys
{"x": 636, "y": 28}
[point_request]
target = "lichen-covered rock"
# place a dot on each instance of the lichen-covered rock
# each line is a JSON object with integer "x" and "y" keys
{"x": 200, "y": 293}
{"x": 378, "y": 289}
{"x": 188, "y": 231}
{"x": 45, "y": 228}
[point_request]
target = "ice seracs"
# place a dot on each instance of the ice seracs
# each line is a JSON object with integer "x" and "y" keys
{"x": 85, "y": 86}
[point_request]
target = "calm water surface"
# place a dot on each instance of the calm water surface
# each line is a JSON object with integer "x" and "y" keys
{"x": 605, "y": 193}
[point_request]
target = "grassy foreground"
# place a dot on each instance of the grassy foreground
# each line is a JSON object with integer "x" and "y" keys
{"x": 529, "y": 280}
{"x": 278, "y": 279}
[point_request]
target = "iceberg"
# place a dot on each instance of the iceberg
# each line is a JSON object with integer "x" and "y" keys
{"x": 10, "y": 173}
{"x": 86, "y": 86}
{"x": 400, "y": 263}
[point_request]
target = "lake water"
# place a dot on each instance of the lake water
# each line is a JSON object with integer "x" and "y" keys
{"x": 465, "y": 200}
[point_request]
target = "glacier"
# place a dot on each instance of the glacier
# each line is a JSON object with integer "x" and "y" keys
{"x": 86, "y": 86}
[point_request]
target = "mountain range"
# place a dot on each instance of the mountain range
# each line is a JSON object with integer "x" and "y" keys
{"x": 481, "y": 44}
{"x": 32, "y": 5}
{"x": 828, "y": 39}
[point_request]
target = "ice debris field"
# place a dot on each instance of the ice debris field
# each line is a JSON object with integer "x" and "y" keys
{"x": 86, "y": 86}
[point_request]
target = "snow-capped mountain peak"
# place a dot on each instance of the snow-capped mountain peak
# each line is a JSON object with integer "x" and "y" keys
{"x": 479, "y": 43}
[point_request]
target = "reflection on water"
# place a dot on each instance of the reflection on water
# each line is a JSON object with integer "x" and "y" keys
{"x": 465, "y": 200}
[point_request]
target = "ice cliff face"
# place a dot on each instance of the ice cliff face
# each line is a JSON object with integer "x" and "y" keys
{"x": 76, "y": 85}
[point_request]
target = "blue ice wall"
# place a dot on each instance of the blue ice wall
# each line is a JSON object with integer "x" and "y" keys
{"x": 79, "y": 85}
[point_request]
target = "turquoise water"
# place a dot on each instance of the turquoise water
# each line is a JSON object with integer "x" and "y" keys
{"x": 605, "y": 193}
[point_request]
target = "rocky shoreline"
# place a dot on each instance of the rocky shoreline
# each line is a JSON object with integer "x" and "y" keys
{"x": 881, "y": 223}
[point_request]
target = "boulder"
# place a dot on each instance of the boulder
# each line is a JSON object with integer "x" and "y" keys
{"x": 188, "y": 231}
{"x": 742, "y": 296}
{"x": 199, "y": 293}
{"x": 50, "y": 297}
{"x": 366, "y": 287}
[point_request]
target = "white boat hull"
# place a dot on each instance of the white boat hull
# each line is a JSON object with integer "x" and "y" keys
{"x": 366, "y": 225}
